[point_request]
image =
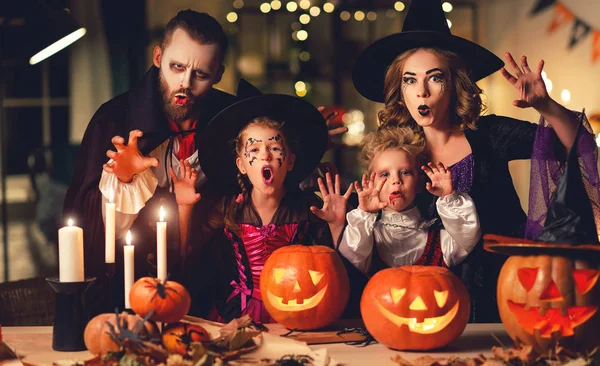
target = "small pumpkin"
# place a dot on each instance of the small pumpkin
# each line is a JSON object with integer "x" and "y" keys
{"x": 170, "y": 301}
{"x": 415, "y": 307}
{"x": 177, "y": 337}
{"x": 304, "y": 287}
{"x": 97, "y": 332}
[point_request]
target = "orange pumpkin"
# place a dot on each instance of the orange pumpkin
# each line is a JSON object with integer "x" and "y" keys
{"x": 97, "y": 332}
{"x": 177, "y": 337}
{"x": 170, "y": 301}
{"x": 415, "y": 307}
{"x": 543, "y": 299}
{"x": 304, "y": 287}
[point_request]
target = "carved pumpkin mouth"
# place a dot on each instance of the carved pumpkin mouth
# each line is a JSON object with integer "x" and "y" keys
{"x": 552, "y": 320}
{"x": 427, "y": 326}
{"x": 293, "y": 305}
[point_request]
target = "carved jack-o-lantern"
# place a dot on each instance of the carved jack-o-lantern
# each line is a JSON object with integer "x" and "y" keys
{"x": 415, "y": 307}
{"x": 544, "y": 298}
{"x": 304, "y": 287}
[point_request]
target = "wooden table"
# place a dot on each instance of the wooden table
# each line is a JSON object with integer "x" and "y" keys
{"x": 35, "y": 343}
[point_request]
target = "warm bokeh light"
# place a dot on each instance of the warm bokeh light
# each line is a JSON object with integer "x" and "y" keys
{"x": 359, "y": 15}
{"x": 232, "y": 17}
{"x": 304, "y": 18}
{"x": 302, "y": 35}
{"x": 305, "y": 4}
{"x": 291, "y": 6}
{"x": 265, "y": 7}
{"x": 275, "y": 4}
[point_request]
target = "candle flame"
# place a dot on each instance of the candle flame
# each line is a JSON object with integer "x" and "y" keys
{"x": 70, "y": 222}
{"x": 162, "y": 213}
{"x": 111, "y": 196}
{"x": 128, "y": 237}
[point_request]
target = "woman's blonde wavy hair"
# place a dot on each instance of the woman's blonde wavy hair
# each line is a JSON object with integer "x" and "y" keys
{"x": 391, "y": 138}
{"x": 465, "y": 106}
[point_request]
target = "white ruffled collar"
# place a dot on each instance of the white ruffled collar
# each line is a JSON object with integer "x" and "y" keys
{"x": 409, "y": 219}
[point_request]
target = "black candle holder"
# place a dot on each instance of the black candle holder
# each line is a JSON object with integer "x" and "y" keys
{"x": 70, "y": 316}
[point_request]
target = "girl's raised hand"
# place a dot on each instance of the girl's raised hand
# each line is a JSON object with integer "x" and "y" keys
{"x": 334, "y": 203}
{"x": 185, "y": 186}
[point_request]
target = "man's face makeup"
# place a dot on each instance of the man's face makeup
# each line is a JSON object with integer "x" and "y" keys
{"x": 425, "y": 90}
{"x": 402, "y": 179}
{"x": 188, "y": 70}
{"x": 264, "y": 158}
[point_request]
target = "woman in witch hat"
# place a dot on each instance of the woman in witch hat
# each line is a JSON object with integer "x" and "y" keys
{"x": 426, "y": 78}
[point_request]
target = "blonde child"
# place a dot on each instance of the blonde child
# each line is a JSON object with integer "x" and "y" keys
{"x": 388, "y": 221}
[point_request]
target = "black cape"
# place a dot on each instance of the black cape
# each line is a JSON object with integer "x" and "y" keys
{"x": 140, "y": 108}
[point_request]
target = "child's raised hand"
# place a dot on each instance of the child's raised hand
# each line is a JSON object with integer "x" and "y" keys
{"x": 441, "y": 179}
{"x": 185, "y": 186}
{"x": 334, "y": 203}
{"x": 368, "y": 195}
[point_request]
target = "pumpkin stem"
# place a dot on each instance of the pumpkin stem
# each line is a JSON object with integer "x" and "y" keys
{"x": 161, "y": 290}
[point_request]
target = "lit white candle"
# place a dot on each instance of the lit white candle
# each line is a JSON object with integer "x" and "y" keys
{"x": 109, "y": 233}
{"x": 161, "y": 246}
{"x": 70, "y": 253}
{"x": 128, "y": 253}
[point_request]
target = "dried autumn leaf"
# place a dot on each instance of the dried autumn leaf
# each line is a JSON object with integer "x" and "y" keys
{"x": 527, "y": 354}
{"x": 228, "y": 330}
{"x": 421, "y": 361}
{"x": 493, "y": 363}
{"x": 501, "y": 353}
{"x": 241, "y": 338}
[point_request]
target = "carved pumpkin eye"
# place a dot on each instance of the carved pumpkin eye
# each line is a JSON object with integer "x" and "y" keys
{"x": 315, "y": 276}
{"x": 441, "y": 297}
{"x": 527, "y": 277}
{"x": 551, "y": 292}
{"x": 585, "y": 279}
{"x": 397, "y": 294}
{"x": 278, "y": 274}
{"x": 418, "y": 304}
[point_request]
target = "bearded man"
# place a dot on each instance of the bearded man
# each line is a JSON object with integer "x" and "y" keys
{"x": 162, "y": 117}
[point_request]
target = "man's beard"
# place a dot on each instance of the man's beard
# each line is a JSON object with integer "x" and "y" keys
{"x": 175, "y": 112}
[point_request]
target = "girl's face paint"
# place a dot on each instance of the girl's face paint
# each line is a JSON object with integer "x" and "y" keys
{"x": 264, "y": 158}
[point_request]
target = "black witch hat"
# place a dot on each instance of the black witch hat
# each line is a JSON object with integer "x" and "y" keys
{"x": 303, "y": 123}
{"x": 425, "y": 25}
{"x": 569, "y": 228}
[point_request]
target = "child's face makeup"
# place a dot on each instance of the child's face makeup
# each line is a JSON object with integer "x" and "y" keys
{"x": 425, "y": 88}
{"x": 401, "y": 186}
{"x": 264, "y": 158}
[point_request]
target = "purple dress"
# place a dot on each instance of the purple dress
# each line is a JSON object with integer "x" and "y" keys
{"x": 484, "y": 174}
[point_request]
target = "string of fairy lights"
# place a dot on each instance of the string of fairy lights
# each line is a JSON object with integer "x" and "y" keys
{"x": 308, "y": 10}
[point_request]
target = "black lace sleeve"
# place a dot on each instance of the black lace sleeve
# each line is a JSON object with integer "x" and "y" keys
{"x": 509, "y": 138}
